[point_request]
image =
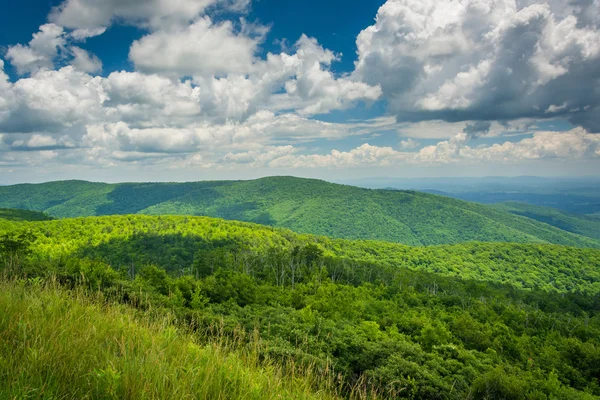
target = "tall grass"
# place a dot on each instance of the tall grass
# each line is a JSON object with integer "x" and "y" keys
{"x": 60, "y": 344}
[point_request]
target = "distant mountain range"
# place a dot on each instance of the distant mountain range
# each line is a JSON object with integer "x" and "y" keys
{"x": 309, "y": 206}
{"x": 581, "y": 224}
{"x": 576, "y": 195}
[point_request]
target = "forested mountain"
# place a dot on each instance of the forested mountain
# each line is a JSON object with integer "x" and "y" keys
{"x": 13, "y": 214}
{"x": 575, "y": 195}
{"x": 373, "y": 319}
{"x": 585, "y": 225}
{"x": 303, "y": 205}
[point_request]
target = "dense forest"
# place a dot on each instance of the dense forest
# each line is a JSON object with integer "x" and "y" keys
{"x": 12, "y": 214}
{"x": 466, "y": 321}
{"x": 586, "y": 225}
{"x": 303, "y": 205}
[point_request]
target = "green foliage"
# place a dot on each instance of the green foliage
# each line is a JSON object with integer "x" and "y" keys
{"x": 14, "y": 246}
{"x": 486, "y": 320}
{"x": 22, "y": 215}
{"x": 303, "y": 205}
{"x": 200, "y": 246}
{"x": 56, "y": 344}
{"x": 580, "y": 224}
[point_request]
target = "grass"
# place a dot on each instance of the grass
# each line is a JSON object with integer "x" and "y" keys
{"x": 59, "y": 344}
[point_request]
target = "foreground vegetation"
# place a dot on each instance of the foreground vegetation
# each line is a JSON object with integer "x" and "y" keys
{"x": 59, "y": 344}
{"x": 472, "y": 321}
{"x": 303, "y": 205}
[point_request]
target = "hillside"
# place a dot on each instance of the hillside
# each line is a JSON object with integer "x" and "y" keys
{"x": 576, "y": 223}
{"x": 73, "y": 348}
{"x": 303, "y": 205}
{"x": 12, "y": 214}
{"x": 476, "y": 320}
{"x": 175, "y": 243}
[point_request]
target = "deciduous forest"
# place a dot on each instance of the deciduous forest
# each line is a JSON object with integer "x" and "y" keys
{"x": 353, "y": 319}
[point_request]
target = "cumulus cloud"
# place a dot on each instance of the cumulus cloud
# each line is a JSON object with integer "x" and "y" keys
{"x": 6, "y": 96}
{"x": 577, "y": 143}
{"x": 259, "y": 134}
{"x": 409, "y": 144}
{"x": 223, "y": 64}
{"x": 80, "y": 35}
{"x": 52, "y": 101}
{"x": 201, "y": 48}
{"x": 477, "y": 128}
{"x": 94, "y": 14}
{"x": 85, "y": 61}
{"x": 40, "y": 52}
{"x": 313, "y": 88}
{"x": 485, "y": 60}
{"x": 204, "y": 94}
{"x": 48, "y": 45}
{"x": 574, "y": 144}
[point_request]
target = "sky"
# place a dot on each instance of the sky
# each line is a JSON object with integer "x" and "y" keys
{"x": 183, "y": 90}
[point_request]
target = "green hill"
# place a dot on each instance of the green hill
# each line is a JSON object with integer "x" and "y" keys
{"x": 12, "y": 214}
{"x": 369, "y": 319}
{"x": 303, "y": 205}
{"x": 176, "y": 242}
{"x": 70, "y": 347}
{"x": 576, "y": 223}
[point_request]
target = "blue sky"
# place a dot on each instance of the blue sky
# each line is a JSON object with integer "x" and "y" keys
{"x": 208, "y": 89}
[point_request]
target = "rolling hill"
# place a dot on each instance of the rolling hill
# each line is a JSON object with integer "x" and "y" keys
{"x": 13, "y": 214}
{"x": 365, "y": 319}
{"x": 110, "y": 352}
{"x": 585, "y": 225}
{"x": 176, "y": 242}
{"x": 303, "y": 205}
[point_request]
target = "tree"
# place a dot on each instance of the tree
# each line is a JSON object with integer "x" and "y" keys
{"x": 14, "y": 247}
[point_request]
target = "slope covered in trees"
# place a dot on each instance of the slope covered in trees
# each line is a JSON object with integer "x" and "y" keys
{"x": 13, "y": 214}
{"x": 303, "y": 205}
{"x": 462, "y": 321}
{"x": 581, "y": 224}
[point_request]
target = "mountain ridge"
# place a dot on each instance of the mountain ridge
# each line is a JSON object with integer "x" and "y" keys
{"x": 300, "y": 204}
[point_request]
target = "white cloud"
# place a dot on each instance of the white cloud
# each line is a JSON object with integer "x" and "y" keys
{"x": 6, "y": 96}
{"x": 259, "y": 158}
{"x": 93, "y": 14}
{"x": 484, "y": 59}
{"x": 409, "y": 144}
{"x": 85, "y": 61}
{"x": 202, "y": 48}
{"x": 54, "y": 101}
{"x": 41, "y": 141}
{"x": 80, "y": 35}
{"x": 574, "y": 144}
{"x": 50, "y": 45}
{"x": 204, "y": 95}
{"x": 40, "y": 52}
{"x": 313, "y": 88}
{"x": 553, "y": 108}
{"x": 365, "y": 155}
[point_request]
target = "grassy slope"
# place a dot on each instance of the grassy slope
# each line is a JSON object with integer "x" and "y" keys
{"x": 575, "y": 223}
{"x": 171, "y": 242}
{"x": 56, "y": 344}
{"x": 303, "y": 205}
{"x": 12, "y": 214}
